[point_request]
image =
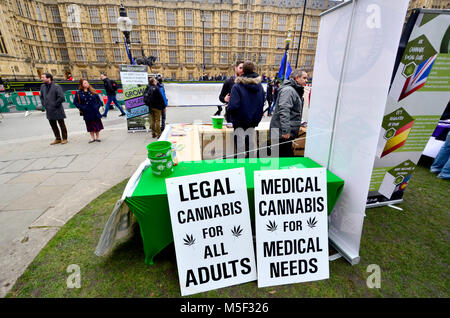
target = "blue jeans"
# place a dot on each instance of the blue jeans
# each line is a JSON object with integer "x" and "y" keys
{"x": 112, "y": 98}
{"x": 441, "y": 163}
{"x": 272, "y": 107}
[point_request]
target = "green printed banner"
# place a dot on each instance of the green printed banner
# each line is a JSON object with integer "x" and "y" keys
{"x": 419, "y": 93}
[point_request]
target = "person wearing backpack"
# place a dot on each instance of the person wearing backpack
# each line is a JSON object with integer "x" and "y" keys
{"x": 111, "y": 90}
{"x": 156, "y": 104}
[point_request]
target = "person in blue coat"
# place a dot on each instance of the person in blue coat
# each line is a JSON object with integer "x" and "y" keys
{"x": 160, "y": 85}
{"x": 88, "y": 102}
{"x": 245, "y": 108}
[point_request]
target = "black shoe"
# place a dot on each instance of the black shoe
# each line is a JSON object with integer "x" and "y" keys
{"x": 121, "y": 115}
{"x": 104, "y": 116}
{"x": 97, "y": 140}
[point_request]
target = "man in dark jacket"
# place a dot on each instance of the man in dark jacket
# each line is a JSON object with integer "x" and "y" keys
{"x": 156, "y": 105}
{"x": 287, "y": 117}
{"x": 224, "y": 96}
{"x": 111, "y": 89}
{"x": 245, "y": 108}
{"x": 52, "y": 97}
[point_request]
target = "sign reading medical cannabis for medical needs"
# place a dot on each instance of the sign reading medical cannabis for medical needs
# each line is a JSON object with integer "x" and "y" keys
{"x": 211, "y": 228}
{"x": 291, "y": 226}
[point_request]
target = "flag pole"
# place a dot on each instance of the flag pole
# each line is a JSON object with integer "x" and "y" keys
{"x": 288, "y": 40}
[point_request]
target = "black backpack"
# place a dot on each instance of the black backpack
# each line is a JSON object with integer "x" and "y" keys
{"x": 147, "y": 95}
{"x": 114, "y": 85}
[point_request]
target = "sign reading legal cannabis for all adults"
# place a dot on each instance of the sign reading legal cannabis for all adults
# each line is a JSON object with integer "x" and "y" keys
{"x": 291, "y": 226}
{"x": 211, "y": 230}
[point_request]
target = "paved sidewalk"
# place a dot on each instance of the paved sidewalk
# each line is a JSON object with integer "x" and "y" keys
{"x": 43, "y": 186}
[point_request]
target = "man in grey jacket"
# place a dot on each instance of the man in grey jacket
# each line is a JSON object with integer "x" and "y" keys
{"x": 287, "y": 116}
{"x": 52, "y": 97}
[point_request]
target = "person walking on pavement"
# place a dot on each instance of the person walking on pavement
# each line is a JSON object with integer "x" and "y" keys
{"x": 88, "y": 102}
{"x": 155, "y": 102}
{"x": 52, "y": 97}
{"x": 288, "y": 114}
{"x": 276, "y": 88}
{"x": 269, "y": 96}
{"x": 159, "y": 78}
{"x": 111, "y": 90}
{"x": 224, "y": 96}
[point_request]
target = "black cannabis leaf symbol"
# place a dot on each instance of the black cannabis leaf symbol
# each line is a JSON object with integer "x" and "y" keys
{"x": 189, "y": 240}
{"x": 312, "y": 222}
{"x": 236, "y": 231}
{"x": 272, "y": 226}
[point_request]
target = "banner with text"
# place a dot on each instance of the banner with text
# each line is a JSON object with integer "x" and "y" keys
{"x": 417, "y": 98}
{"x": 291, "y": 226}
{"x": 211, "y": 229}
{"x": 134, "y": 82}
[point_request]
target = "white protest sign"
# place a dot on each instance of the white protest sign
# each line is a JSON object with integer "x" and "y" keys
{"x": 291, "y": 226}
{"x": 211, "y": 230}
{"x": 133, "y": 74}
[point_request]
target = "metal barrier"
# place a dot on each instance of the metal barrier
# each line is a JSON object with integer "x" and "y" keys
{"x": 26, "y": 100}
{"x": 4, "y": 104}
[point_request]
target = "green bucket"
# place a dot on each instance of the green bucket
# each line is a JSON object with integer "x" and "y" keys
{"x": 161, "y": 158}
{"x": 217, "y": 121}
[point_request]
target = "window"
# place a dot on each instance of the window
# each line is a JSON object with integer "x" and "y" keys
{"x": 97, "y": 36}
{"x": 251, "y": 18}
{"x": 207, "y": 39}
{"x": 281, "y": 23}
{"x": 76, "y": 35}
{"x": 112, "y": 15}
{"x": 33, "y": 32}
{"x": 38, "y": 10}
{"x": 266, "y": 22}
{"x": 294, "y": 43}
{"x": 19, "y": 7}
{"x": 135, "y": 37}
{"x": 190, "y": 76}
{"x": 223, "y": 58}
{"x": 118, "y": 55}
{"x": 155, "y": 54}
{"x": 79, "y": 54}
{"x": 55, "y": 14}
{"x": 263, "y": 58}
{"x": 38, "y": 50}
{"x": 115, "y": 37}
{"x": 153, "y": 37}
{"x": 242, "y": 21}
{"x": 136, "y": 53}
{"x": 225, "y": 20}
{"x": 308, "y": 60}
{"x": 298, "y": 23}
{"x": 84, "y": 74}
{"x": 311, "y": 43}
{"x": 189, "y": 38}
{"x": 224, "y": 39}
{"x": 188, "y": 19}
{"x": 133, "y": 15}
{"x": 172, "y": 57}
{"x": 208, "y": 58}
{"x": 313, "y": 27}
{"x": 101, "y": 56}
{"x": 151, "y": 17}
{"x": 3, "y": 49}
{"x": 250, "y": 40}
{"x": 44, "y": 34}
{"x": 292, "y": 58}
{"x": 27, "y": 9}
{"x": 280, "y": 42}
{"x": 190, "y": 57}
{"x": 25, "y": 30}
{"x": 60, "y": 38}
{"x": 33, "y": 56}
{"x": 278, "y": 58}
{"x": 64, "y": 54}
{"x": 170, "y": 17}
{"x": 174, "y": 76}
{"x": 264, "y": 41}
{"x": 241, "y": 40}
{"x": 93, "y": 15}
{"x": 171, "y": 38}
{"x": 208, "y": 19}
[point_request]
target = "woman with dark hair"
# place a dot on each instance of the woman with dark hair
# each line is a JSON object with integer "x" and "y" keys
{"x": 88, "y": 102}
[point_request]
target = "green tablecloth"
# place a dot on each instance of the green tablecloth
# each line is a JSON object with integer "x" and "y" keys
{"x": 150, "y": 205}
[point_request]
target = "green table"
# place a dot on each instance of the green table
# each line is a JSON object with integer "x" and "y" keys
{"x": 150, "y": 205}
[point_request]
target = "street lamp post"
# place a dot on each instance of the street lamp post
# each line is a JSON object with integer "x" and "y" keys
{"x": 125, "y": 25}
{"x": 301, "y": 31}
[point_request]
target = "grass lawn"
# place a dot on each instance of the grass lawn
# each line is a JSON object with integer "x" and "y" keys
{"x": 410, "y": 246}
